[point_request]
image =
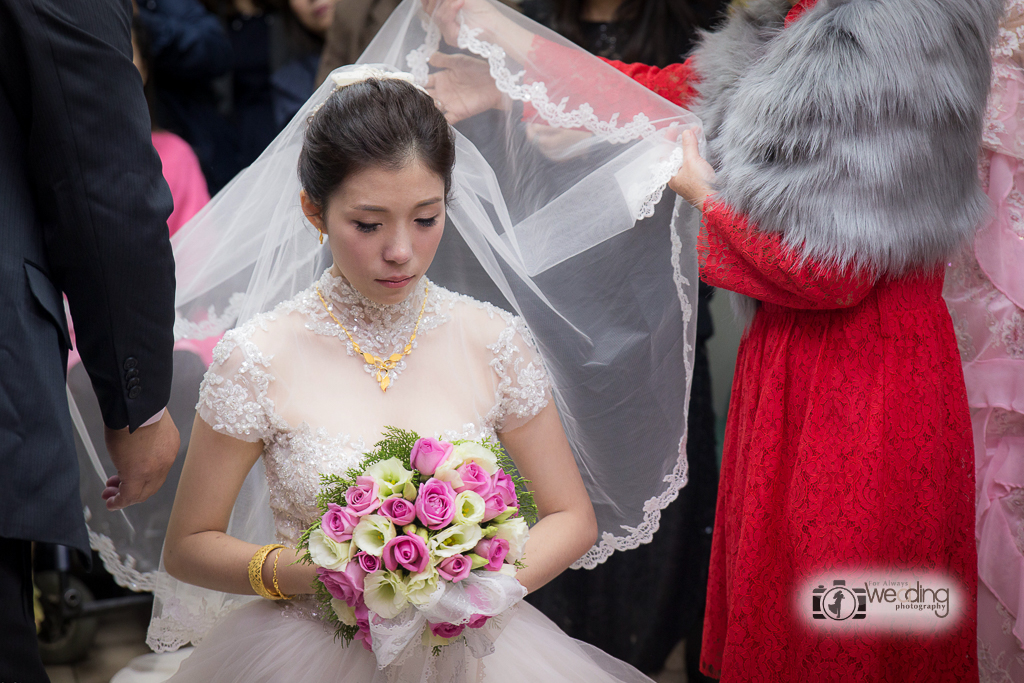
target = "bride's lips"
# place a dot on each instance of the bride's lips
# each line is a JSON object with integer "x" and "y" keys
{"x": 396, "y": 282}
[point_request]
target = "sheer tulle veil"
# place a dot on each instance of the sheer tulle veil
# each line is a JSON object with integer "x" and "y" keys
{"x": 557, "y": 213}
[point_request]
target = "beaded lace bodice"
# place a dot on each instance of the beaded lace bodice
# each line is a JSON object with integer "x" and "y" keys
{"x": 290, "y": 379}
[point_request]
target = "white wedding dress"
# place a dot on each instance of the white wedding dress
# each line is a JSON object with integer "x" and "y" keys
{"x": 289, "y": 377}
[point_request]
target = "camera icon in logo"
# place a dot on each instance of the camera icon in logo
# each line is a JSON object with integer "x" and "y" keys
{"x": 839, "y": 603}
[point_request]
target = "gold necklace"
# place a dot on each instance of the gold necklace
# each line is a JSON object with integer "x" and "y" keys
{"x": 384, "y": 367}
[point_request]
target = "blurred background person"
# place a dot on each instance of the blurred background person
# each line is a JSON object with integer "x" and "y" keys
{"x": 189, "y": 50}
{"x": 354, "y": 24}
{"x": 307, "y": 24}
{"x": 985, "y": 293}
{"x": 600, "y": 606}
{"x": 275, "y": 49}
{"x": 181, "y": 167}
{"x": 255, "y": 29}
{"x": 657, "y": 32}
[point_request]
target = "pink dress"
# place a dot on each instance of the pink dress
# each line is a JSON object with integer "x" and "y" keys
{"x": 183, "y": 176}
{"x": 985, "y": 294}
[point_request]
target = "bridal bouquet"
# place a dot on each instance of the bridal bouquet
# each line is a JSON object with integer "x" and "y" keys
{"x": 420, "y": 542}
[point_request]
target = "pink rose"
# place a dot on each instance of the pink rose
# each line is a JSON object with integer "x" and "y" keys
{"x": 435, "y": 504}
{"x": 398, "y": 510}
{"x": 503, "y": 484}
{"x": 473, "y": 479}
{"x": 365, "y": 638}
{"x": 338, "y": 523}
{"x": 362, "y": 498}
{"x": 454, "y": 568}
{"x": 409, "y": 551}
{"x": 494, "y": 505}
{"x": 345, "y": 585}
{"x": 363, "y": 624}
{"x": 494, "y": 551}
{"x": 368, "y": 562}
{"x": 478, "y": 620}
{"x": 446, "y": 630}
{"x": 427, "y": 454}
{"x": 362, "y": 616}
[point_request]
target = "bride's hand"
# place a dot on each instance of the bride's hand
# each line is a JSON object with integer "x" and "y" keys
{"x": 463, "y": 88}
{"x": 693, "y": 181}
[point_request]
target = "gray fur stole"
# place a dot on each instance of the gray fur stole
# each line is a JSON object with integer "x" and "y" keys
{"x": 854, "y": 132}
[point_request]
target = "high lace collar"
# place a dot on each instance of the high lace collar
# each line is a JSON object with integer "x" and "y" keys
{"x": 381, "y": 329}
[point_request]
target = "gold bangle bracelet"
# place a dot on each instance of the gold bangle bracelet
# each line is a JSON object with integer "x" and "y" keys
{"x": 277, "y": 588}
{"x": 256, "y": 572}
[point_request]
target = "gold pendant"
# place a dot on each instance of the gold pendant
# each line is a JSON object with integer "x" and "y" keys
{"x": 383, "y": 367}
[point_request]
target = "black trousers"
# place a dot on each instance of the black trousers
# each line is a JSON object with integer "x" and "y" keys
{"x": 19, "y": 649}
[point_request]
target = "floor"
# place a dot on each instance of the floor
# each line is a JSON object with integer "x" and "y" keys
{"x": 122, "y": 636}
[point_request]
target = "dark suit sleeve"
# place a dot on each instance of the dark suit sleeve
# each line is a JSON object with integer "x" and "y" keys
{"x": 102, "y": 200}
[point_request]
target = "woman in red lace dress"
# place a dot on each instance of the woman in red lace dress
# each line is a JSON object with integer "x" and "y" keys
{"x": 848, "y": 445}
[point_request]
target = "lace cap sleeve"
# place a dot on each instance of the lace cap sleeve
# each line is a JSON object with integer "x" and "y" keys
{"x": 524, "y": 387}
{"x": 233, "y": 396}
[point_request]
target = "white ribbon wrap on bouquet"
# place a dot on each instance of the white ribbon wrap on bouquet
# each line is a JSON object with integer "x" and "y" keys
{"x": 403, "y": 646}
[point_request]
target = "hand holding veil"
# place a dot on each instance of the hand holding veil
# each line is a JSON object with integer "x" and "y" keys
{"x": 571, "y": 231}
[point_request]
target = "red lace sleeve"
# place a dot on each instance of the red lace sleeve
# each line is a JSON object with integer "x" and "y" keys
{"x": 735, "y": 255}
{"x": 674, "y": 82}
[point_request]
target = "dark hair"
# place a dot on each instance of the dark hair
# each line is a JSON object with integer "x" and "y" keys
{"x": 376, "y": 122}
{"x": 659, "y": 32}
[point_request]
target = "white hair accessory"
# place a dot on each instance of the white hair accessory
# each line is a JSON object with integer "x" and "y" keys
{"x": 362, "y": 73}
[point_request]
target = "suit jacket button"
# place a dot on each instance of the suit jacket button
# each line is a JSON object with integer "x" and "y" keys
{"x": 130, "y": 362}
{"x": 134, "y": 392}
{"x": 134, "y": 382}
{"x": 134, "y": 372}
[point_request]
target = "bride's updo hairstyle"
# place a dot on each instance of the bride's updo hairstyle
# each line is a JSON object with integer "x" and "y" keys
{"x": 377, "y": 122}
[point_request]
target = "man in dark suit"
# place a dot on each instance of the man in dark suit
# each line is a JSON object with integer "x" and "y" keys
{"x": 83, "y": 210}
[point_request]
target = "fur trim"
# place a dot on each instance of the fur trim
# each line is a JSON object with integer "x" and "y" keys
{"x": 854, "y": 132}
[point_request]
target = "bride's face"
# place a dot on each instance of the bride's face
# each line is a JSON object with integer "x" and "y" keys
{"x": 383, "y": 226}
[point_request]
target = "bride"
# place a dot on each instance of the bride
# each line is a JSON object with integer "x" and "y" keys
{"x": 289, "y": 385}
{"x": 321, "y": 364}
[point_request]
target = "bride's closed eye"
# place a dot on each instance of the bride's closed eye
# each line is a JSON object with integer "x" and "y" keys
{"x": 366, "y": 227}
{"x": 427, "y": 222}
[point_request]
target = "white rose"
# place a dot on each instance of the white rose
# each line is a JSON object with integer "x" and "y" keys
{"x": 469, "y": 508}
{"x": 346, "y": 614}
{"x": 328, "y": 553}
{"x": 515, "y": 532}
{"x": 372, "y": 533}
{"x": 420, "y": 588}
{"x": 455, "y": 539}
{"x": 391, "y": 477}
{"x": 384, "y": 594}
